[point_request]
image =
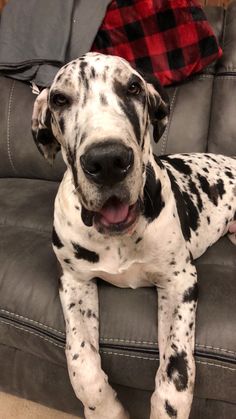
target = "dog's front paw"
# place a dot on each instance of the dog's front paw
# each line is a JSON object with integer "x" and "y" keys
{"x": 169, "y": 404}
{"x": 108, "y": 410}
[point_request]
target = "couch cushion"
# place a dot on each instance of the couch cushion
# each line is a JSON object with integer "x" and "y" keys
{"x": 31, "y": 317}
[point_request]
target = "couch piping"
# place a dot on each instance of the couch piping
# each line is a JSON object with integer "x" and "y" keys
{"x": 32, "y": 333}
{"x": 155, "y": 343}
{"x": 8, "y": 127}
{"x": 102, "y": 339}
{"x": 116, "y": 353}
{"x": 157, "y": 359}
{"x": 31, "y": 321}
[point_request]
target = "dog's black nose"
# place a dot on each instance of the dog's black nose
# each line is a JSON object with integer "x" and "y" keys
{"x": 107, "y": 163}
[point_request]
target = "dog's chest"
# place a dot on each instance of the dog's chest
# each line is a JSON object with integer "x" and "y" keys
{"x": 124, "y": 265}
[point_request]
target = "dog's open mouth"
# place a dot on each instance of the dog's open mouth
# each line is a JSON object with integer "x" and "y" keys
{"x": 116, "y": 216}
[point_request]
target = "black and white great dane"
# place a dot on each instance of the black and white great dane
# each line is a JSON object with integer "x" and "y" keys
{"x": 130, "y": 218}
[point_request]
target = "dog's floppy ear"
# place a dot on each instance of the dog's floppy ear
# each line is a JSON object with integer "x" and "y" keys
{"x": 41, "y": 128}
{"x": 158, "y": 105}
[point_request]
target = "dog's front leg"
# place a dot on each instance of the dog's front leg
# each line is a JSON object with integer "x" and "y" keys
{"x": 80, "y": 306}
{"x": 176, "y": 329}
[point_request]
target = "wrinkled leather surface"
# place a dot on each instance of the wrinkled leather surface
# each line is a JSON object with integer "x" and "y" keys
{"x": 32, "y": 338}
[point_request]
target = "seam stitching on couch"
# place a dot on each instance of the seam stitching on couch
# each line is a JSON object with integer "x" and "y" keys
{"x": 105, "y": 339}
{"x": 226, "y": 77}
{"x": 165, "y": 135}
{"x": 33, "y": 333}
{"x": 155, "y": 343}
{"x": 157, "y": 359}
{"x": 31, "y": 321}
{"x": 205, "y": 76}
{"x": 8, "y": 128}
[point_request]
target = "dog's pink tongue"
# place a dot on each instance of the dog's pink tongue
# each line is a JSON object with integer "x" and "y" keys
{"x": 115, "y": 212}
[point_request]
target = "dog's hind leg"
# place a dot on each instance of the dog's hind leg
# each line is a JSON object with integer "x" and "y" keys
{"x": 80, "y": 306}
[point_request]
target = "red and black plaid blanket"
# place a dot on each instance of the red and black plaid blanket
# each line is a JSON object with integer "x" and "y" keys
{"x": 171, "y": 39}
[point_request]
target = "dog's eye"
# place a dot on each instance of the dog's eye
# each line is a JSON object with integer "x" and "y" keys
{"x": 59, "y": 99}
{"x": 134, "y": 88}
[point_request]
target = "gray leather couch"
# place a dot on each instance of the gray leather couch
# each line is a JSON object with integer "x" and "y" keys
{"x": 32, "y": 338}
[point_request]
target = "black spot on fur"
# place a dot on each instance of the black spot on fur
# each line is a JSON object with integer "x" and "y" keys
{"x": 177, "y": 370}
{"x": 93, "y": 73}
{"x": 194, "y": 190}
{"x": 82, "y": 344}
{"x": 191, "y": 294}
{"x": 44, "y": 137}
{"x": 181, "y": 207}
{"x": 55, "y": 239}
{"x": 87, "y": 217}
{"x": 103, "y": 99}
{"x": 215, "y": 191}
{"x": 76, "y": 356}
{"x": 158, "y": 106}
{"x": 71, "y": 305}
{"x": 62, "y": 125}
{"x": 192, "y": 212}
{"x": 178, "y": 164}
{"x": 229, "y": 174}
{"x": 128, "y": 107}
{"x": 153, "y": 202}
{"x": 82, "y": 253}
{"x": 171, "y": 412}
{"x": 71, "y": 157}
{"x": 83, "y": 66}
{"x": 92, "y": 408}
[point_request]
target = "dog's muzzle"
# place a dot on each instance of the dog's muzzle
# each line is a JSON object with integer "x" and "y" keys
{"x": 107, "y": 164}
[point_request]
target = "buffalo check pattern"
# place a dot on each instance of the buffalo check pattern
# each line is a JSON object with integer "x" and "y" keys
{"x": 170, "y": 39}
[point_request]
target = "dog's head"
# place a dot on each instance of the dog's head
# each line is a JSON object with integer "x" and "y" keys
{"x": 98, "y": 111}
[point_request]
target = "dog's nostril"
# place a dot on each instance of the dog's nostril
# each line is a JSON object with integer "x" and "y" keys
{"x": 94, "y": 168}
{"x": 120, "y": 164}
{"x": 90, "y": 165}
{"x": 125, "y": 161}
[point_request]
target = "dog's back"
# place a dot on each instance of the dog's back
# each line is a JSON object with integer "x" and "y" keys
{"x": 204, "y": 186}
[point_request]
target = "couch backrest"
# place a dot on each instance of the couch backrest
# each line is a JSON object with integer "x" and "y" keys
{"x": 19, "y": 156}
{"x": 202, "y": 118}
{"x": 203, "y": 109}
